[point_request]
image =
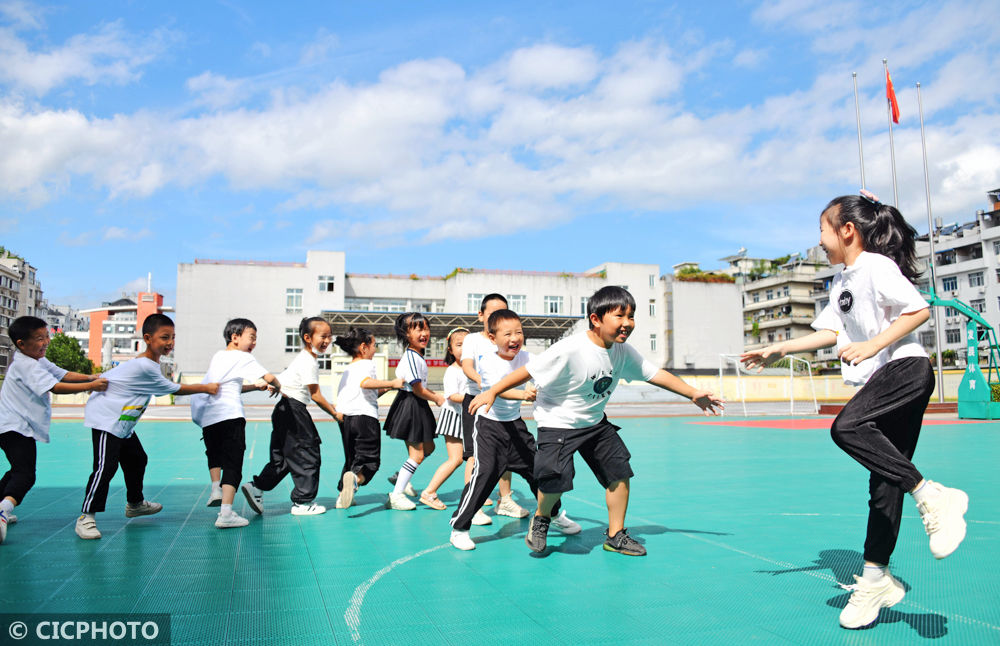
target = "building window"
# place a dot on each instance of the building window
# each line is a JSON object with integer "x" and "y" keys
{"x": 756, "y": 297}
{"x": 784, "y": 291}
{"x": 949, "y": 283}
{"x": 473, "y": 302}
{"x": 998, "y": 275}
{"x": 652, "y": 307}
{"x": 291, "y": 339}
{"x": 293, "y": 300}
{"x": 770, "y": 337}
{"x": 927, "y": 339}
{"x": 553, "y": 304}
{"x": 770, "y": 294}
{"x": 652, "y": 280}
{"x": 952, "y": 335}
{"x": 584, "y": 300}
{"x": 652, "y": 342}
{"x": 976, "y": 279}
{"x": 517, "y": 302}
{"x": 996, "y": 247}
{"x": 950, "y": 311}
{"x": 326, "y": 283}
{"x": 978, "y": 304}
{"x": 788, "y": 332}
{"x": 325, "y": 362}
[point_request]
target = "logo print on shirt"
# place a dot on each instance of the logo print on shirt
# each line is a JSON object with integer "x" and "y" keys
{"x": 602, "y": 384}
{"x": 845, "y": 301}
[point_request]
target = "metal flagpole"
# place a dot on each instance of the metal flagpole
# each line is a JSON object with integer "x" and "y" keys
{"x": 892, "y": 149}
{"x": 857, "y": 115}
{"x": 930, "y": 262}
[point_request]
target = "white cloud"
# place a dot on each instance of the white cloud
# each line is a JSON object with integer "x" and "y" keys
{"x": 216, "y": 91}
{"x": 749, "y": 58}
{"x": 319, "y": 49}
{"x": 22, "y": 14}
{"x": 551, "y": 66}
{"x": 122, "y": 233}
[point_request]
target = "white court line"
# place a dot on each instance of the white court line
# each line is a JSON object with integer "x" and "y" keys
{"x": 352, "y": 617}
{"x": 817, "y": 575}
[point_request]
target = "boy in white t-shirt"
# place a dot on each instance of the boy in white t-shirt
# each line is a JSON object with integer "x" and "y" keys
{"x": 112, "y": 416}
{"x": 220, "y": 416}
{"x": 575, "y": 378}
{"x": 501, "y": 441}
{"x": 26, "y": 409}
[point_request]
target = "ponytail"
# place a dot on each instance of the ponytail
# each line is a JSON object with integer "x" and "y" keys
{"x": 882, "y": 227}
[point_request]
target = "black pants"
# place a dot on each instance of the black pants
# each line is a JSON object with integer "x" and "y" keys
{"x": 110, "y": 451}
{"x": 225, "y": 443}
{"x": 294, "y": 450}
{"x": 22, "y": 454}
{"x": 468, "y": 422}
{"x": 362, "y": 447}
{"x": 879, "y": 428}
{"x": 499, "y": 447}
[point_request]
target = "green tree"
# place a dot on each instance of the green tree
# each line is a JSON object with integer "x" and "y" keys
{"x": 65, "y": 352}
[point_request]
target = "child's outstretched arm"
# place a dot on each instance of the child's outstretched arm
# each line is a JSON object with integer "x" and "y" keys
{"x": 855, "y": 353}
{"x": 379, "y": 384}
{"x": 194, "y": 389}
{"x": 63, "y": 388}
{"x": 317, "y": 396}
{"x": 766, "y": 356}
{"x": 76, "y": 377}
{"x": 487, "y": 397}
{"x": 425, "y": 393}
{"x": 703, "y": 399}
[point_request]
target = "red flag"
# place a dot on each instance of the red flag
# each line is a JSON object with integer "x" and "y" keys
{"x": 890, "y": 94}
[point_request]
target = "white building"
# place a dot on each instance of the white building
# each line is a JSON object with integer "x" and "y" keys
{"x": 703, "y": 318}
{"x": 20, "y": 295}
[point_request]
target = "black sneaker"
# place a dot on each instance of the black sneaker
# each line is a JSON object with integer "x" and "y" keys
{"x": 624, "y": 544}
{"x": 537, "y": 533}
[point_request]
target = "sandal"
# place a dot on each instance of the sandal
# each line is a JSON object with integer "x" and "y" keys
{"x": 432, "y": 501}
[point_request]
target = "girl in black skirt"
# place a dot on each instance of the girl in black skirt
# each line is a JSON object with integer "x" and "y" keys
{"x": 410, "y": 418}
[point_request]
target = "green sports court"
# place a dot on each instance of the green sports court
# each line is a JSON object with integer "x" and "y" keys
{"x": 750, "y": 525}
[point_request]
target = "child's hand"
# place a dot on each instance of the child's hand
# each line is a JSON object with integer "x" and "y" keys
{"x": 98, "y": 384}
{"x": 212, "y": 389}
{"x": 530, "y": 392}
{"x": 483, "y": 400}
{"x": 763, "y": 357}
{"x": 95, "y": 377}
{"x": 260, "y": 384}
{"x": 855, "y": 353}
{"x": 397, "y": 383}
{"x": 339, "y": 416}
{"x": 273, "y": 391}
{"x": 707, "y": 402}
{"x": 439, "y": 399}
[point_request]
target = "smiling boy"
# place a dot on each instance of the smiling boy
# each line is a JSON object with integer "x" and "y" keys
{"x": 575, "y": 378}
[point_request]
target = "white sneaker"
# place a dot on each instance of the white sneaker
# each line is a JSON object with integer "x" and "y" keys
{"x": 215, "y": 498}
{"x": 408, "y": 489}
{"x": 565, "y": 524}
{"x": 307, "y": 509}
{"x": 943, "y": 515}
{"x": 230, "y": 520}
{"x": 3, "y": 526}
{"x": 86, "y": 528}
{"x": 11, "y": 519}
{"x": 461, "y": 540}
{"x": 507, "y": 507}
{"x": 350, "y": 485}
{"x": 481, "y": 518}
{"x": 399, "y": 502}
{"x": 254, "y": 496}
{"x": 144, "y": 508}
{"x": 868, "y": 598}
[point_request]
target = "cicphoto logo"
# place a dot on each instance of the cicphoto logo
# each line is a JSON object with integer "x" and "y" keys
{"x": 85, "y": 628}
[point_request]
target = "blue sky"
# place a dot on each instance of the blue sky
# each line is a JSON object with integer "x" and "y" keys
{"x": 419, "y": 137}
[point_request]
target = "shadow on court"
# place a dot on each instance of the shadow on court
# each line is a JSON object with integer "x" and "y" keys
{"x": 845, "y": 563}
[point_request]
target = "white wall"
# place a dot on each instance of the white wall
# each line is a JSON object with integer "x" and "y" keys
{"x": 707, "y": 321}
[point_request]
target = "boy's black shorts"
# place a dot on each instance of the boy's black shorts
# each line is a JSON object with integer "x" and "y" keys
{"x": 225, "y": 443}
{"x": 599, "y": 445}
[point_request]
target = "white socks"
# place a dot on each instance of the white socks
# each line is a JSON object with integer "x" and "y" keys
{"x": 874, "y": 573}
{"x": 226, "y": 510}
{"x": 6, "y": 506}
{"x": 405, "y": 473}
{"x": 924, "y": 492}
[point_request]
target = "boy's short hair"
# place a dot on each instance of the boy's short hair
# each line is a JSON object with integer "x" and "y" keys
{"x": 609, "y": 299}
{"x": 498, "y": 317}
{"x": 21, "y": 328}
{"x": 237, "y": 327}
{"x": 154, "y": 322}
{"x": 492, "y": 297}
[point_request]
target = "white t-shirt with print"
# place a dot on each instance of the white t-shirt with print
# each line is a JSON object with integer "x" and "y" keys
{"x": 493, "y": 368}
{"x": 352, "y": 399}
{"x": 455, "y": 383}
{"x": 475, "y": 347}
{"x": 411, "y": 368}
{"x": 301, "y": 373}
{"x": 229, "y": 369}
{"x": 25, "y": 403}
{"x": 865, "y": 299}
{"x": 575, "y": 379}
{"x": 130, "y": 385}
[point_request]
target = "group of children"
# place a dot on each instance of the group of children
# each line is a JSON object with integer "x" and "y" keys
{"x": 873, "y": 311}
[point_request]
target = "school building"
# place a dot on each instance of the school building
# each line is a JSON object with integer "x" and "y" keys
{"x": 20, "y": 295}
{"x": 115, "y": 328}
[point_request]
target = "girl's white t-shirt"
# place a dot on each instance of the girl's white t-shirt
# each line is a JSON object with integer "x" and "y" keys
{"x": 575, "y": 379}
{"x": 228, "y": 368}
{"x": 130, "y": 385}
{"x": 475, "y": 347}
{"x": 352, "y": 399}
{"x": 865, "y": 299}
{"x": 411, "y": 368}
{"x": 301, "y": 373}
{"x": 25, "y": 404}
{"x": 455, "y": 383}
{"x": 493, "y": 368}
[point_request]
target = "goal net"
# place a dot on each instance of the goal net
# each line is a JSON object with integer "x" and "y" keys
{"x": 784, "y": 387}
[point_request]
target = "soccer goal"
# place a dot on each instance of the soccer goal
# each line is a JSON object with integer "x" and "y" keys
{"x": 788, "y": 379}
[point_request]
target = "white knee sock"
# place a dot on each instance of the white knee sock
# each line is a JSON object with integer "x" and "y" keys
{"x": 405, "y": 473}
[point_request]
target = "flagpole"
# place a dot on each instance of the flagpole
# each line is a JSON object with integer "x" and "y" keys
{"x": 892, "y": 149}
{"x": 857, "y": 116}
{"x": 930, "y": 261}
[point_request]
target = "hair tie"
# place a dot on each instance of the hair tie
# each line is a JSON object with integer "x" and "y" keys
{"x": 871, "y": 197}
{"x": 454, "y": 330}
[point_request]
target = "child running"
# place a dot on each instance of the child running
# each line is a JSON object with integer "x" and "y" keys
{"x": 26, "y": 408}
{"x": 410, "y": 418}
{"x": 294, "y": 438}
{"x": 357, "y": 401}
{"x": 220, "y": 416}
{"x": 874, "y": 309}
{"x": 501, "y": 441}
{"x": 575, "y": 378}
{"x": 112, "y": 415}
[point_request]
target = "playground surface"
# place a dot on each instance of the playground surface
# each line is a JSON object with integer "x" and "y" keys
{"x": 751, "y": 524}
